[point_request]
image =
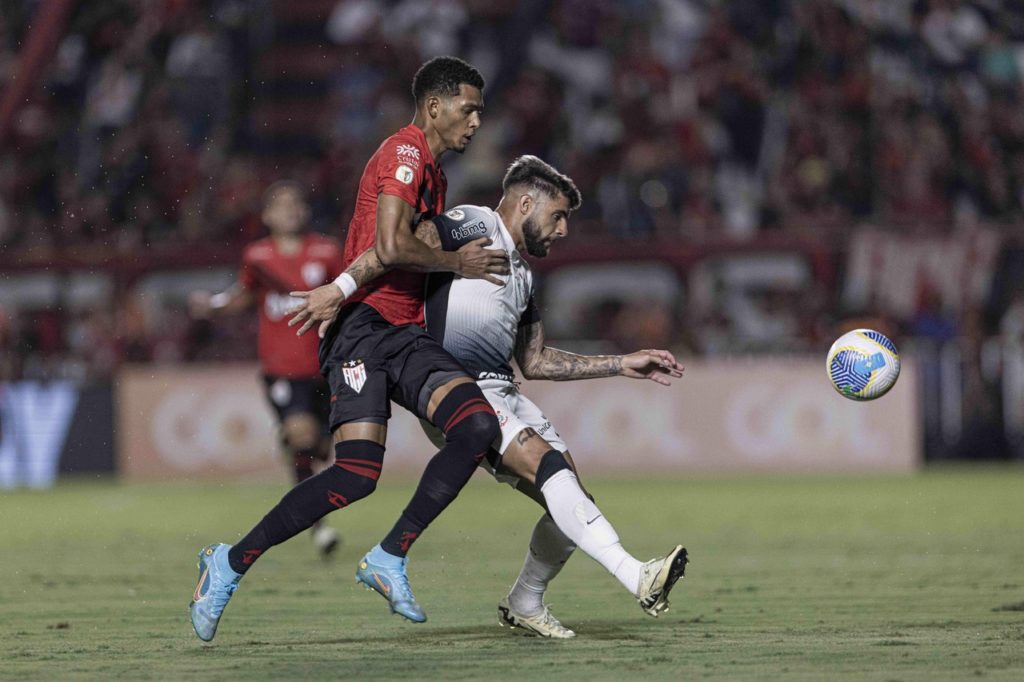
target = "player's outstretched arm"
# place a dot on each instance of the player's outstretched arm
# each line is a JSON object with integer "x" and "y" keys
{"x": 202, "y": 305}
{"x": 538, "y": 361}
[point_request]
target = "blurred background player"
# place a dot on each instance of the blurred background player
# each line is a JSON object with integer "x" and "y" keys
{"x": 484, "y": 327}
{"x": 291, "y": 257}
{"x": 377, "y": 351}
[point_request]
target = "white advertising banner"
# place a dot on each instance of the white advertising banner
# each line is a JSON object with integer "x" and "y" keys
{"x": 760, "y": 415}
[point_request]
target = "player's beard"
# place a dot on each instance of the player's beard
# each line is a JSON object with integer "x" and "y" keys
{"x": 535, "y": 246}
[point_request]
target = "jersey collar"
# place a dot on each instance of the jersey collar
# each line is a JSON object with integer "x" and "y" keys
{"x": 422, "y": 136}
{"x": 508, "y": 235}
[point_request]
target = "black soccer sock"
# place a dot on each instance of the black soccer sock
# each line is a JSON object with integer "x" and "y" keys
{"x": 470, "y": 426}
{"x": 357, "y": 467}
{"x": 551, "y": 463}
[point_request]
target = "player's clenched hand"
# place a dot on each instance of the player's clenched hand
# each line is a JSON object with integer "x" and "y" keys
{"x": 478, "y": 262}
{"x": 656, "y": 365}
{"x": 319, "y": 305}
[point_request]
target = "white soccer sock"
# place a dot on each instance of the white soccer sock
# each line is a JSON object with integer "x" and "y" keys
{"x": 549, "y": 550}
{"x": 583, "y": 523}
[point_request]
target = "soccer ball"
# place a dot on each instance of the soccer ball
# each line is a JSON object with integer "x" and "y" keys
{"x": 863, "y": 364}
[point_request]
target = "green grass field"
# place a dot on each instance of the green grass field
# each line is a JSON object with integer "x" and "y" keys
{"x": 891, "y": 578}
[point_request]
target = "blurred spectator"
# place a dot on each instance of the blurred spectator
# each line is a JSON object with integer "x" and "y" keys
{"x": 684, "y": 122}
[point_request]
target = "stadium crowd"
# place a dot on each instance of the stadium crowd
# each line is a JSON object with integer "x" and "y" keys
{"x": 692, "y": 121}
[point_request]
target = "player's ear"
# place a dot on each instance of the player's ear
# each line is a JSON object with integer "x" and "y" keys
{"x": 526, "y": 203}
{"x": 433, "y": 106}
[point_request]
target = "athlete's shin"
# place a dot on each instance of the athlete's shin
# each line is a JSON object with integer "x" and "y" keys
{"x": 549, "y": 549}
{"x": 354, "y": 475}
{"x": 470, "y": 426}
{"x": 580, "y": 519}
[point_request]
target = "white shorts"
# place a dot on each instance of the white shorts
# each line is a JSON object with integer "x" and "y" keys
{"x": 515, "y": 412}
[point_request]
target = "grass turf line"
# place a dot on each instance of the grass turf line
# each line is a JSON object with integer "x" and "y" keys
{"x": 800, "y": 578}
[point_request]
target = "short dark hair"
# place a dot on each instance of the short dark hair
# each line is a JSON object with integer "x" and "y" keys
{"x": 286, "y": 185}
{"x": 443, "y": 76}
{"x": 530, "y": 171}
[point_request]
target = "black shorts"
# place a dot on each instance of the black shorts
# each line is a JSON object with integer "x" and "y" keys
{"x": 368, "y": 362}
{"x": 298, "y": 396}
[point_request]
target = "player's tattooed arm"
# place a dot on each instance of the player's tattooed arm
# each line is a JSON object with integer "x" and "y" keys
{"x": 322, "y": 304}
{"x": 539, "y": 361}
{"x": 367, "y": 267}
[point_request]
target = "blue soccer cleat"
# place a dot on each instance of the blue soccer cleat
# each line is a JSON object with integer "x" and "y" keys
{"x": 217, "y": 582}
{"x": 391, "y": 583}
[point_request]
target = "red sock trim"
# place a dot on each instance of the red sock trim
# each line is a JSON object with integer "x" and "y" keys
{"x": 371, "y": 474}
{"x": 471, "y": 406}
{"x": 359, "y": 462}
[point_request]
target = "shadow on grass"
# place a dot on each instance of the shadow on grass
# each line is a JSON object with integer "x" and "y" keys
{"x": 590, "y": 630}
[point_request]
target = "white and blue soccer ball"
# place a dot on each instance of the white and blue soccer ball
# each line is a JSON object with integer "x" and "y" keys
{"x": 863, "y": 364}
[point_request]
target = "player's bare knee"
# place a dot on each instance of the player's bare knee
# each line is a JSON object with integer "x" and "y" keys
{"x": 524, "y": 454}
{"x": 523, "y": 461}
{"x": 301, "y": 432}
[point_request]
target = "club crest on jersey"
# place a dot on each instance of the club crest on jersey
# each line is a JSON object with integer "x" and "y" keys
{"x": 404, "y": 175}
{"x": 409, "y": 154}
{"x": 354, "y": 374}
{"x": 313, "y": 273}
{"x": 455, "y": 214}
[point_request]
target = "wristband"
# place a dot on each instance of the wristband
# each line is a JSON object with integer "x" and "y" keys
{"x": 347, "y": 285}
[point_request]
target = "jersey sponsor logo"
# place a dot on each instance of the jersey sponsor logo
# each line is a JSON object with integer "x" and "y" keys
{"x": 314, "y": 273}
{"x": 409, "y": 154}
{"x": 495, "y": 375}
{"x": 354, "y": 374}
{"x": 455, "y": 214}
{"x": 471, "y": 230}
{"x": 277, "y": 306}
{"x": 404, "y": 174}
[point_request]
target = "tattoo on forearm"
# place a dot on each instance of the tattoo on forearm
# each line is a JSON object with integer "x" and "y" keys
{"x": 366, "y": 267}
{"x": 426, "y": 232}
{"x": 538, "y": 361}
{"x": 560, "y": 365}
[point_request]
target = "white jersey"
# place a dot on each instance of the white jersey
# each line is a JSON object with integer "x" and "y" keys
{"x": 476, "y": 321}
